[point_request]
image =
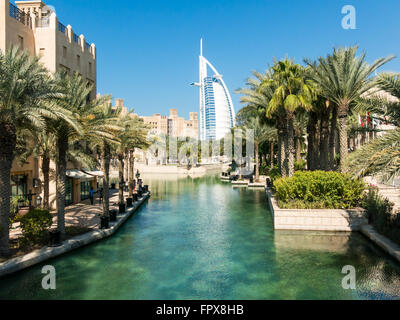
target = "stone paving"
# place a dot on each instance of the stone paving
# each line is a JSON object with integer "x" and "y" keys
{"x": 82, "y": 215}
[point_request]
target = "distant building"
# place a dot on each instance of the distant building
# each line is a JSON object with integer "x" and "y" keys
{"x": 217, "y": 114}
{"x": 173, "y": 125}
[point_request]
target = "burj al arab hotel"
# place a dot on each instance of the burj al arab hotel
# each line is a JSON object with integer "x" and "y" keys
{"x": 217, "y": 115}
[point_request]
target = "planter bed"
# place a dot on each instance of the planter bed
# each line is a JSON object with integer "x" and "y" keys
{"x": 316, "y": 219}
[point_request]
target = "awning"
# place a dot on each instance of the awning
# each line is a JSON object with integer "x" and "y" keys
{"x": 77, "y": 174}
{"x": 95, "y": 173}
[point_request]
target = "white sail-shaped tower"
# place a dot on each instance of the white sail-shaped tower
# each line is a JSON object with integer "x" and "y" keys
{"x": 217, "y": 114}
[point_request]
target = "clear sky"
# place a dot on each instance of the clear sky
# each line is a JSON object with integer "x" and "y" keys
{"x": 148, "y": 49}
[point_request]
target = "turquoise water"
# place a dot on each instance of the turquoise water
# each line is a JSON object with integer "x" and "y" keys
{"x": 202, "y": 239}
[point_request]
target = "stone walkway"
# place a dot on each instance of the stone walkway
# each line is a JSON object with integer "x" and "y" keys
{"x": 83, "y": 215}
{"x": 392, "y": 193}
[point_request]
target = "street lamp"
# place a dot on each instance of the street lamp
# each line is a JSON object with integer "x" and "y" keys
{"x": 39, "y": 201}
{"x": 30, "y": 195}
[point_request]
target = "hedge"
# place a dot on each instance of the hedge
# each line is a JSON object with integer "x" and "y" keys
{"x": 381, "y": 215}
{"x": 319, "y": 190}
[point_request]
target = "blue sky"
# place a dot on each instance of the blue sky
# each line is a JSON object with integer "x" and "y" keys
{"x": 148, "y": 49}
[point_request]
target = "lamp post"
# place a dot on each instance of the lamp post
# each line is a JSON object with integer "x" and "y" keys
{"x": 122, "y": 204}
{"x": 39, "y": 201}
{"x": 30, "y": 197}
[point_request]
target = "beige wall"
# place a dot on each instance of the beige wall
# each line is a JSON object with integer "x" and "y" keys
{"x": 11, "y": 30}
{"x": 48, "y": 41}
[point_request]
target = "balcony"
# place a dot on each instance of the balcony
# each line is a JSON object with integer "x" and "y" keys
{"x": 62, "y": 28}
{"x": 20, "y": 16}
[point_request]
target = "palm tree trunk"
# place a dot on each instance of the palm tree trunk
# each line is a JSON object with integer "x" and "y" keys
{"x": 126, "y": 161}
{"x": 257, "y": 161}
{"x": 332, "y": 139}
{"x": 298, "y": 147}
{"x": 312, "y": 153}
{"x": 46, "y": 182}
{"x": 61, "y": 170}
{"x": 282, "y": 144}
{"x": 271, "y": 153}
{"x": 106, "y": 179}
{"x": 324, "y": 141}
{"x": 8, "y": 141}
{"x": 131, "y": 172}
{"x": 121, "y": 176}
{"x": 280, "y": 151}
{"x": 342, "y": 114}
{"x": 290, "y": 145}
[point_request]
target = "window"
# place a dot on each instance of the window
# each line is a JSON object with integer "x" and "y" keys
{"x": 19, "y": 185}
{"x": 90, "y": 68}
{"x": 78, "y": 60}
{"x": 21, "y": 42}
{"x": 69, "y": 188}
{"x": 65, "y": 52}
{"x": 85, "y": 188}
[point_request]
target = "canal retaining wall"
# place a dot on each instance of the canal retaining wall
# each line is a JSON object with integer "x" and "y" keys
{"x": 316, "y": 219}
{"x": 46, "y": 253}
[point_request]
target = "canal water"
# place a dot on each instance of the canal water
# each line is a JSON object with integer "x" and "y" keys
{"x": 202, "y": 239}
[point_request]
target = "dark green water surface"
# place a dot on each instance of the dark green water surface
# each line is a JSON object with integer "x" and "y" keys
{"x": 202, "y": 239}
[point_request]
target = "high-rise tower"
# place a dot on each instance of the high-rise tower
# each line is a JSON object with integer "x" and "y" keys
{"x": 217, "y": 114}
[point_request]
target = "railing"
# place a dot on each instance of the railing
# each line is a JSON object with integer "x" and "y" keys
{"x": 76, "y": 38}
{"x": 20, "y": 16}
{"x": 62, "y": 28}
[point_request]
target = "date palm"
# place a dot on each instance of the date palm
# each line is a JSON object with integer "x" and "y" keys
{"x": 261, "y": 133}
{"x": 133, "y": 136}
{"x": 292, "y": 91}
{"x": 25, "y": 86}
{"x": 343, "y": 78}
{"x": 83, "y": 126}
{"x": 106, "y": 139}
{"x": 382, "y": 155}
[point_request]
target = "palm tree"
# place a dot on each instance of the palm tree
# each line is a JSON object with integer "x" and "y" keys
{"x": 343, "y": 78}
{"x": 382, "y": 155}
{"x": 25, "y": 86}
{"x": 292, "y": 92}
{"x": 257, "y": 98}
{"x": 133, "y": 136}
{"x": 261, "y": 133}
{"x": 107, "y": 140}
{"x": 42, "y": 144}
{"x": 85, "y": 125}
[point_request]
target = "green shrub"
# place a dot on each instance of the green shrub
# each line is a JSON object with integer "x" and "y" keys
{"x": 274, "y": 174}
{"x": 35, "y": 224}
{"x": 300, "y": 165}
{"x": 318, "y": 190}
{"x": 381, "y": 216}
